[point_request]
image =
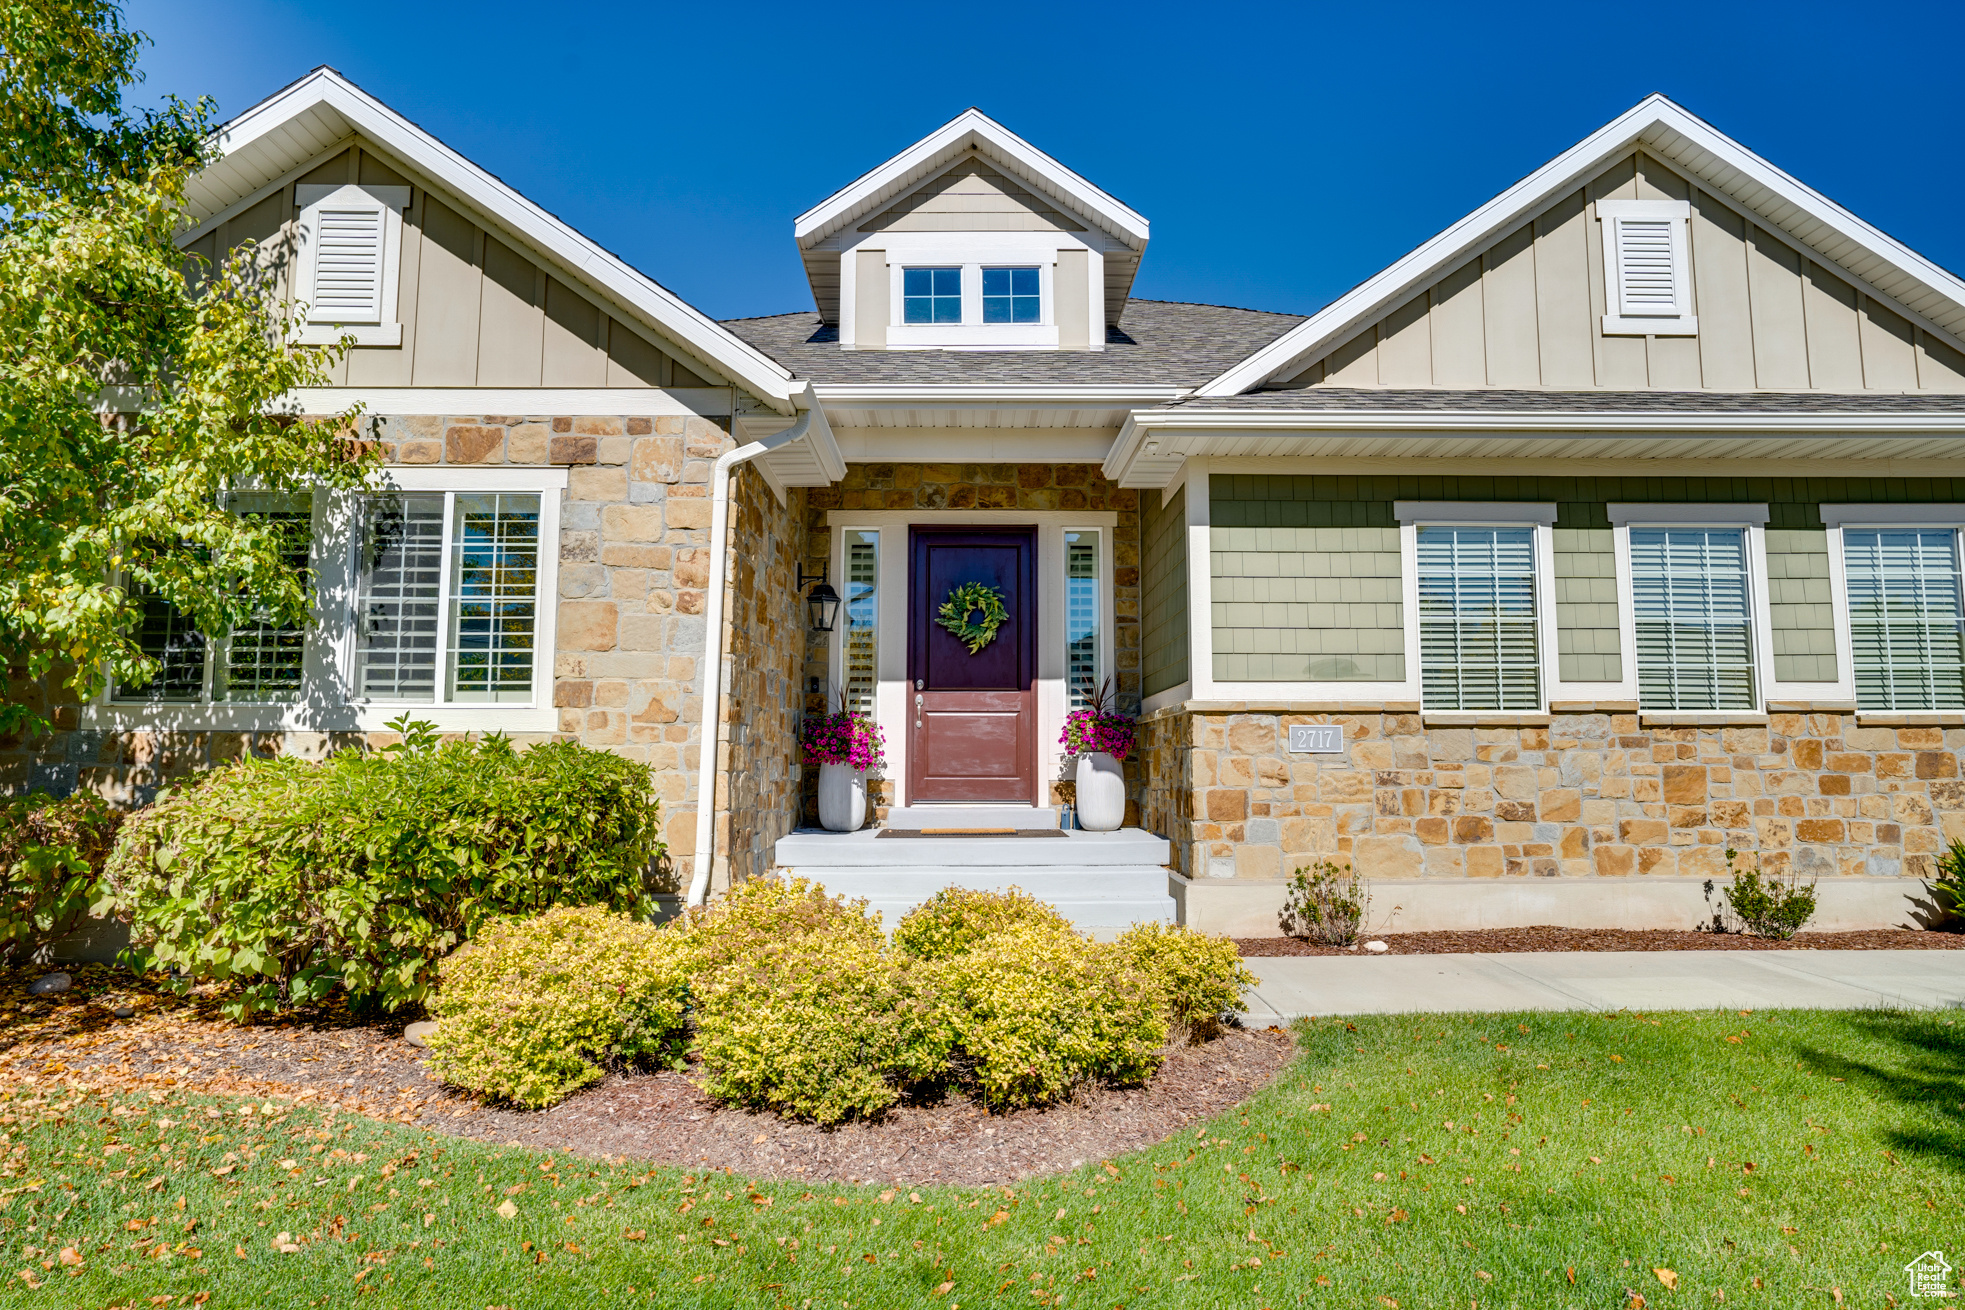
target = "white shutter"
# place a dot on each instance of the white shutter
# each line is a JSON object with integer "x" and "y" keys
{"x": 348, "y": 249}
{"x": 1646, "y": 264}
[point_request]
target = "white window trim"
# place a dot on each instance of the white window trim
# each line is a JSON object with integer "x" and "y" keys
{"x": 1537, "y": 515}
{"x": 1683, "y": 323}
{"x": 325, "y": 704}
{"x": 391, "y": 201}
{"x": 1838, "y": 517}
{"x": 893, "y": 695}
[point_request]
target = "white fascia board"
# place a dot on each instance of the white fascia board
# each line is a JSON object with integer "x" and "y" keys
{"x": 1653, "y": 116}
{"x": 669, "y": 313}
{"x": 943, "y": 146}
{"x": 1005, "y": 393}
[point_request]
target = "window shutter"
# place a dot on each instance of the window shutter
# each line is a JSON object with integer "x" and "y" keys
{"x": 1647, "y": 274}
{"x": 348, "y": 265}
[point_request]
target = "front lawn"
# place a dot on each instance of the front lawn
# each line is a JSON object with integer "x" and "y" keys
{"x": 1776, "y": 1159}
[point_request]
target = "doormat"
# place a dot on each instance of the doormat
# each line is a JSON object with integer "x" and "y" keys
{"x": 971, "y": 832}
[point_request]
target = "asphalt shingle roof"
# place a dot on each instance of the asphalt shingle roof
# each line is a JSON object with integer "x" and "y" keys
{"x": 1311, "y": 400}
{"x": 1157, "y": 343}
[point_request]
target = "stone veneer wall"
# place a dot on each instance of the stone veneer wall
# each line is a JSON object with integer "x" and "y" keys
{"x": 1006, "y": 487}
{"x": 1590, "y": 794}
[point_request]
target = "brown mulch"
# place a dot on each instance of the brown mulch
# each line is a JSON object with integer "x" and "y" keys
{"x": 325, "y": 1056}
{"x": 1549, "y": 938}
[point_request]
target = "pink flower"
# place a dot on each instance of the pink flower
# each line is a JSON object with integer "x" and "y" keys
{"x": 842, "y": 738}
{"x": 1087, "y": 732}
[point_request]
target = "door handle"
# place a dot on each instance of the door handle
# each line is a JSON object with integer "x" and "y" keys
{"x": 917, "y": 709}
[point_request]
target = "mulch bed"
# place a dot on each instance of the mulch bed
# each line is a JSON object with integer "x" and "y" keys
{"x": 326, "y": 1056}
{"x": 1548, "y": 938}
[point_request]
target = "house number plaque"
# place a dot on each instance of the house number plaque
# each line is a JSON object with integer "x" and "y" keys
{"x": 1316, "y": 739}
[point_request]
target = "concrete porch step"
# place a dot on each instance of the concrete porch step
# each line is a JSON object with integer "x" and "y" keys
{"x": 809, "y": 849}
{"x": 971, "y": 816}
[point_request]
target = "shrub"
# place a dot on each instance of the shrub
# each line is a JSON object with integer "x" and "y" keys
{"x": 1948, "y": 886}
{"x": 1325, "y": 904}
{"x": 289, "y": 878}
{"x": 1776, "y": 907}
{"x": 532, "y": 1009}
{"x": 762, "y": 912}
{"x": 1035, "y": 1013}
{"x": 824, "y": 1025}
{"x": 1196, "y": 979}
{"x": 51, "y": 856}
{"x": 955, "y": 919}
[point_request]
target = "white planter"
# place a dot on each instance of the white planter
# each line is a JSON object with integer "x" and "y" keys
{"x": 1101, "y": 793}
{"x": 842, "y": 797}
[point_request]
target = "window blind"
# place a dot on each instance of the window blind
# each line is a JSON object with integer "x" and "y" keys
{"x": 862, "y": 620}
{"x": 494, "y": 591}
{"x": 1081, "y": 615}
{"x": 401, "y": 596}
{"x": 1694, "y": 618}
{"x": 1905, "y": 618}
{"x": 1478, "y": 647}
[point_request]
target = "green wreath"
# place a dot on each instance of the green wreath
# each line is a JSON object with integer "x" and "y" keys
{"x": 966, "y": 600}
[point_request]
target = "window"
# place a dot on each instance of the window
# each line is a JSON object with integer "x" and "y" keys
{"x": 1479, "y": 647}
{"x": 1647, "y": 268}
{"x": 1906, "y": 622}
{"x": 931, "y": 295}
{"x": 1012, "y": 295}
{"x": 1082, "y": 605}
{"x": 1694, "y": 618}
{"x": 259, "y": 662}
{"x": 450, "y": 572}
{"x": 351, "y": 247}
{"x": 862, "y": 636}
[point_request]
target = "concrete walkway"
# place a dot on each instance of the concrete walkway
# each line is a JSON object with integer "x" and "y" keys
{"x": 1289, "y": 987}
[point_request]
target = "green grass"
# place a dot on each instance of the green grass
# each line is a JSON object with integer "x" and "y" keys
{"x": 1423, "y": 1161}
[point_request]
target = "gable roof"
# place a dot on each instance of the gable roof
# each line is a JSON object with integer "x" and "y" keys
{"x": 260, "y": 150}
{"x": 1160, "y": 344}
{"x": 969, "y": 134}
{"x": 1680, "y": 138}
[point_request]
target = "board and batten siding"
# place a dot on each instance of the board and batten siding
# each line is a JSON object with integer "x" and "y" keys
{"x": 971, "y": 197}
{"x": 474, "y": 311}
{"x": 1306, "y": 568}
{"x": 1163, "y": 591}
{"x": 1527, "y": 314}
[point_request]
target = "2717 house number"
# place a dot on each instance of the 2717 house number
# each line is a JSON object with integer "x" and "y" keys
{"x": 1316, "y": 739}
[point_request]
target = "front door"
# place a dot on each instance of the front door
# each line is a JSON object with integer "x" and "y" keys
{"x": 973, "y": 716}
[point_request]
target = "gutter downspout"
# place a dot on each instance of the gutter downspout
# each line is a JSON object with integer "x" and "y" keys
{"x": 713, "y": 687}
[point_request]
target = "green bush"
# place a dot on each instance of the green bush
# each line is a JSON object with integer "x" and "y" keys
{"x": 1197, "y": 979}
{"x": 533, "y": 1008}
{"x": 757, "y": 913}
{"x": 1326, "y": 904}
{"x": 955, "y": 919}
{"x": 1035, "y": 1013}
{"x": 1776, "y": 907}
{"x": 823, "y": 1025}
{"x": 1948, "y": 884}
{"x": 290, "y": 879}
{"x": 51, "y": 857}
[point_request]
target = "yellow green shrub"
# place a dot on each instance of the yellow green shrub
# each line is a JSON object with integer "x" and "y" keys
{"x": 761, "y": 912}
{"x": 534, "y": 1008}
{"x": 1197, "y": 979}
{"x": 1036, "y": 1012}
{"x": 824, "y": 1025}
{"x": 954, "y": 919}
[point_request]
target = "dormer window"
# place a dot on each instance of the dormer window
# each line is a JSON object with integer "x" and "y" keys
{"x": 1012, "y": 295}
{"x": 932, "y": 295}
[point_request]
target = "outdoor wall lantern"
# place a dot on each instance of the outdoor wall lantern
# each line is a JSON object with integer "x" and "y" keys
{"x": 823, "y": 601}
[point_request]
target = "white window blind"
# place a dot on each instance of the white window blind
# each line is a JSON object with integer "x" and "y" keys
{"x": 494, "y": 591}
{"x": 1647, "y": 276}
{"x": 1694, "y": 618}
{"x": 1478, "y": 645}
{"x": 862, "y": 637}
{"x": 263, "y": 659}
{"x": 1905, "y": 618}
{"x": 348, "y": 253}
{"x": 1081, "y": 618}
{"x": 401, "y": 596}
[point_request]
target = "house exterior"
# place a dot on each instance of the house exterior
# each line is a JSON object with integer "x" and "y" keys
{"x": 1612, "y": 529}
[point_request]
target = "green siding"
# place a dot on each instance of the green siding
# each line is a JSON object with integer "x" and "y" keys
{"x": 1306, "y": 568}
{"x": 1163, "y": 590}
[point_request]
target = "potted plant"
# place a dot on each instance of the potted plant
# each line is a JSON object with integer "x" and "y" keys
{"x": 844, "y": 745}
{"x": 1100, "y": 738}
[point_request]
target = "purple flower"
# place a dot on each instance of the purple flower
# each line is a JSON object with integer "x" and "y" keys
{"x": 841, "y": 738}
{"x": 1088, "y": 732}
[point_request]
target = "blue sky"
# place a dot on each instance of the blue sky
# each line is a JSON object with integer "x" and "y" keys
{"x": 1281, "y": 153}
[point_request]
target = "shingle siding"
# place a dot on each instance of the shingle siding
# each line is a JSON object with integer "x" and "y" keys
{"x": 1163, "y": 591}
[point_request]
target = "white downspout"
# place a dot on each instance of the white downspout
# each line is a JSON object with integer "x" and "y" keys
{"x": 713, "y": 691}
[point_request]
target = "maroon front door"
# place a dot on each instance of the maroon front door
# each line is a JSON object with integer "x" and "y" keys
{"x": 972, "y": 727}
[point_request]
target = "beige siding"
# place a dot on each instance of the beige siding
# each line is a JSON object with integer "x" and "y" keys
{"x": 1527, "y": 313}
{"x": 870, "y": 292}
{"x": 1071, "y": 293}
{"x": 971, "y": 197}
{"x": 474, "y": 310}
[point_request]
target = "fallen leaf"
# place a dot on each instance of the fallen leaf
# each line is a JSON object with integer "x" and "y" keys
{"x": 1571, "y": 1271}
{"x": 944, "y": 1289}
{"x": 634, "y": 1234}
{"x": 71, "y": 1257}
{"x": 507, "y": 1211}
{"x": 1000, "y": 1217}
{"x": 1668, "y": 1277}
